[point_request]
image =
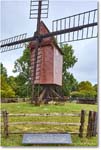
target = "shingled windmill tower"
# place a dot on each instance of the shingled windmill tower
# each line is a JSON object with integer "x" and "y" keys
{"x": 49, "y": 60}
{"x": 46, "y": 56}
{"x": 49, "y": 65}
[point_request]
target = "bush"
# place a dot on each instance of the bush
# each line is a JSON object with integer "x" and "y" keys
{"x": 84, "y": 94}
{"x": 76, "y": 94}
{"x": 9, "y": 93}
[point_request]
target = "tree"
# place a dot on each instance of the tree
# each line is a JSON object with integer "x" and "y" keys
{"x": 6, "y": 90}
{"x": 95, "y": 87}
{"x": 85, "y": 85}
{"x": 85, "y": 90}
{"x": 69, "y": 60}
{"x": 12, "y": 83}
{"x": 22, "y": 66}
{"x": 3, "y": 70}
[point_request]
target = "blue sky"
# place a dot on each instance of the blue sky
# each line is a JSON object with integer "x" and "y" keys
{"x": 15, "y": 20}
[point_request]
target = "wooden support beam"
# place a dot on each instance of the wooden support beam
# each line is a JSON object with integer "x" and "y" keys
{"x": 55, "y": 93}
{"x": 42, "y": 94}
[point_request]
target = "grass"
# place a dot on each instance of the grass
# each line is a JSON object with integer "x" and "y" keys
{"x": 16, "y": 140}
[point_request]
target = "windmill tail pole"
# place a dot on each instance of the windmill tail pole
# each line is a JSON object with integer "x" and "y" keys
{"x": 36, "y": 53}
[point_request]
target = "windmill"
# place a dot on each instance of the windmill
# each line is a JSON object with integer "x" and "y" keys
{"x": 73, "y": 28}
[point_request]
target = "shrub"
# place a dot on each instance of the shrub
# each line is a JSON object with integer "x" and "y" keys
{"x": 84, "y": 94}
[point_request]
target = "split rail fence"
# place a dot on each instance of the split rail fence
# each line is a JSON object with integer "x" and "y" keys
{"x": 91, "y": 127}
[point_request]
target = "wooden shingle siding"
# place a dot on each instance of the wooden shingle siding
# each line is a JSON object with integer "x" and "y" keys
{"x": 49, "y": 61}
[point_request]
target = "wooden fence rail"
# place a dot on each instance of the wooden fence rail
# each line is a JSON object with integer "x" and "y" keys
{"x": 91, "y": 129}
{"x": 50, "y": 114}
{"x": 14, "y": 100}
{"x": 47, "y": 123}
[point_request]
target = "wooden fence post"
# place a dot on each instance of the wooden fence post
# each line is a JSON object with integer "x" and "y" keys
{"x": 82, "y": 121}
{"x": 90, "y": 124}
{"x": 94, "y": 124}
{"x": 5, "y": 121}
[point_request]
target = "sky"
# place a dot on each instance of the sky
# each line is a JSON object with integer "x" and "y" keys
{"x": 15, "y": 20}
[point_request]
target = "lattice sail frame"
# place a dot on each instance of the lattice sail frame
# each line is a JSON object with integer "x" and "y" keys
{"x": 34, "y": 9}
{"x": 72, "y": 28}
{"x": 89, "y": 17}
{"x": 10, "y": 40}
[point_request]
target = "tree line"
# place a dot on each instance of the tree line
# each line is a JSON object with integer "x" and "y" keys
{"x": 20, "y": 86}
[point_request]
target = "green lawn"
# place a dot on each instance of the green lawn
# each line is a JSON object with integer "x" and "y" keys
{"x": 16, "y": 139}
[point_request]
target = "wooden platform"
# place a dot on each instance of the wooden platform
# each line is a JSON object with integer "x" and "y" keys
{"x": 47, "y": 138}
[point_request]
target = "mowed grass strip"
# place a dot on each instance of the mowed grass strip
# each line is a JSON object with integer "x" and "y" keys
{"x": 29, "y": 108}
{"x": 26, "y": 108}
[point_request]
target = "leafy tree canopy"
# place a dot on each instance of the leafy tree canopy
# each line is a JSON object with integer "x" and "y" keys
{"x": 3, "y": 70}
{"x": 85, "y": 85}
{"x": 22, "y": 66}
{"x": 69, "y": 60}
{"x": 85, "y": 90}
{"x": 95, "y": 87}
{"x": 6, "y": 90}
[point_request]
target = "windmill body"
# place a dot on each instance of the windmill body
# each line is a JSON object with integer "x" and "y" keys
{"x": 49, "y": 61}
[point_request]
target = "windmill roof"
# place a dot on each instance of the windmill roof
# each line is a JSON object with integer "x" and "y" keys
{"x": 46, "y": 41}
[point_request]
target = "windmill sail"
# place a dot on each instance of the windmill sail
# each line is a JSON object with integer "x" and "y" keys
{"x": 86, "y": 20}
{"x": 34, "y": 5}
{"x": 5, "y": 45}
{"x": 73, "y": 28}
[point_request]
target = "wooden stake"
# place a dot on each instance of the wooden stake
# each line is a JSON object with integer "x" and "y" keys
{"x": 5, "y": 121}
{"x": 90, "y": 124}
{"x": 82, "y": 121}
{"x": 94, "y": 124}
